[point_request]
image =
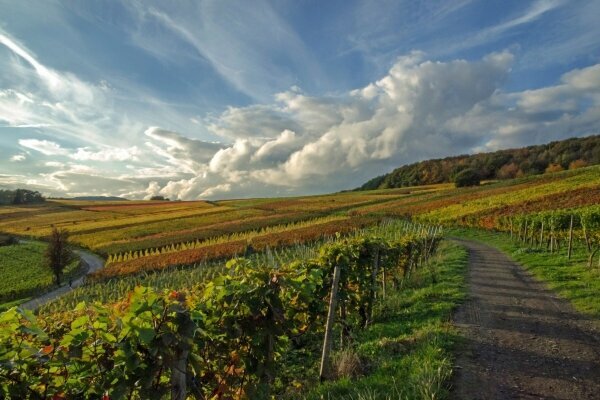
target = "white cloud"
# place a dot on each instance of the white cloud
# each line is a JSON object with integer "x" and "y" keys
{"x": 18, "y": 157}
{"x": 106, "y": 154}
{"x": 420, "y": 109}
{"x": 242, "y": 51}
{"x": 306, "y": 144}
{"x": 45, "y": 147}
{"x": 33, "y": 95}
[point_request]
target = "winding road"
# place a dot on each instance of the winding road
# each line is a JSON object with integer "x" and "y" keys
{"x": 521, "y": 340}
{"x": 93, "y": 262}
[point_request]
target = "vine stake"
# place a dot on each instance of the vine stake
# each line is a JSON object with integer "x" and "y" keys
{"x": 329, "y": 326}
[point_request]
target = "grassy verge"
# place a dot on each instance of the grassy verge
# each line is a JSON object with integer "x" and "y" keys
{"x": 24, "y": 274}
{"x": 570, "y": 279}
{"x": 407, "y": 352}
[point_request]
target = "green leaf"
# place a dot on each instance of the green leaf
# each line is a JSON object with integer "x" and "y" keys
{"x": 146, "y": 335}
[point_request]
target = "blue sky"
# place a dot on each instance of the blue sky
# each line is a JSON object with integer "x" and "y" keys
{"x": 220, "y": 99}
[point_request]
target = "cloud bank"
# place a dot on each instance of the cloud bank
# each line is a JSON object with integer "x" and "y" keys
{"x": 419, "y": 109}
{"x": 295, "y": 144}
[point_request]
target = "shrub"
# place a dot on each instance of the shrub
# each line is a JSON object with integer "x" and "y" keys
{"x": 467, "y": 177}
{"x": 578, "y": 164}
{"x": 554, "y": 168}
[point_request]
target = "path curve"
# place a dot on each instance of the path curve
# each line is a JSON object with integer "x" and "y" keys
{"x": 521, "y": 340}
{"x": 94, "y": 263}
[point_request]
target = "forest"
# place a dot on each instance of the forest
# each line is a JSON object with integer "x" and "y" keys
{"x": 503, "y": 164}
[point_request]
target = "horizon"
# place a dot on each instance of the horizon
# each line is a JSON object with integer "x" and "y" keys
{"x": 275, "y": 99}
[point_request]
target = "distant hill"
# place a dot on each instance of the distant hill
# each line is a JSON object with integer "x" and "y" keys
{"x": 98, "y": 198}
{"x": 502, "y": 164}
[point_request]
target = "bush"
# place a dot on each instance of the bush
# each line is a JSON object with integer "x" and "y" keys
{"x": 467, "y": 177}
{"x": 8, "y": 240}
{"x": 554, "y": 168}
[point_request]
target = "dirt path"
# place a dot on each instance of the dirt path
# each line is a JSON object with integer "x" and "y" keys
{"x": 522, "y": 341}
{"x": 94, "y": 263}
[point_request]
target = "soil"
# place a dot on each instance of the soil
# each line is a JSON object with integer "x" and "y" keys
{"x": 521, "y": 341}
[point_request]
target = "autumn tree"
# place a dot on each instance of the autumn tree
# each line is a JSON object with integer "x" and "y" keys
{"x": 578, "y": 164}
{"x": 554, "y": 168}
{"x": 508, "y": 171}
{"x": 58, "y": 253}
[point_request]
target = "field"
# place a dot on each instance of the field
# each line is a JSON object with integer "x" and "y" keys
{"x": 23, "y": 273}
{"x": 253, "y": 279}
{"x": 265, "y": 299}
{"x": 136, "y": 236}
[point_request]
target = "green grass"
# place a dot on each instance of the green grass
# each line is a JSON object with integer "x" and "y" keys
{"x": 571, "y": 279}
{"x": 408, "y": 349}
{"x": 24, "y": 274}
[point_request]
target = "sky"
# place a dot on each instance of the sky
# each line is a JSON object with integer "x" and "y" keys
{"x": 227, "y": 99}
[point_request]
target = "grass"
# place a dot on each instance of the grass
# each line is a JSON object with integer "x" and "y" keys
{"x": 571, "y": 279}
{"x": 24, "y": 274}
{"x": 408, "y": 348}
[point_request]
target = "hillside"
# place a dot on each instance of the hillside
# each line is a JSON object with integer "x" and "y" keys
{"x": 173, "y": 274}
{"x": 503, "y": 164}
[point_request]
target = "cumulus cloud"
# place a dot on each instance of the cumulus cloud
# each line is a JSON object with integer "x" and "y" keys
{"x": 572, "y": 107}
{"x": 181, "y": 147}
{"x": 419, "y": 109}
{"x": 300, "y": 144}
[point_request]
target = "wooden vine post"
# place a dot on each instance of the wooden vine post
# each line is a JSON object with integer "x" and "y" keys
{"x": 383, "y": 283}
{"x": 542, "y": 234}
{"x": 570, "y": 238}
{"x": 373, "y": 290}
{"x": 329, "y": 326}
{"x": 179, "y": 361}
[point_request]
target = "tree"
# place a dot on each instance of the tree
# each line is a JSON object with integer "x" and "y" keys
{"x": 467, "y": 177}
{"x": 508, "y": 171}
{"x": 578, "y": 164}
{"x": 58, "y": 253}
{"x": 20, "y": 196}
{"x": 159, "y": 198}
{"x": 554, "y": 168}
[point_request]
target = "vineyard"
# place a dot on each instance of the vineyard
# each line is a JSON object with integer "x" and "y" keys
{"x": 221, "y": 339}
{"x": 23, "y": 271}
{"x": 268, "y": 297}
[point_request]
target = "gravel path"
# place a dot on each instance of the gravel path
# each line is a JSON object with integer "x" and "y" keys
{"x": 94, "y": 263}
{"x": 522, "y": 341}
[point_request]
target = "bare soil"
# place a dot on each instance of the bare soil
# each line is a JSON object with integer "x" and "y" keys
{"x": 521, "y": 340}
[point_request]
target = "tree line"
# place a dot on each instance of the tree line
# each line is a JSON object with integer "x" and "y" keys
{"x": 20, "y": 196}
{"x": 503, "y": 164}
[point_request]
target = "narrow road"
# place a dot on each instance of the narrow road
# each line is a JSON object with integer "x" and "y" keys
{"x": 94, "y": 263}
{"x": 521, "y": 340}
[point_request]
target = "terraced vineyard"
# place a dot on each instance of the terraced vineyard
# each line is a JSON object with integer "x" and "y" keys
{"x": 142, "y": 236}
